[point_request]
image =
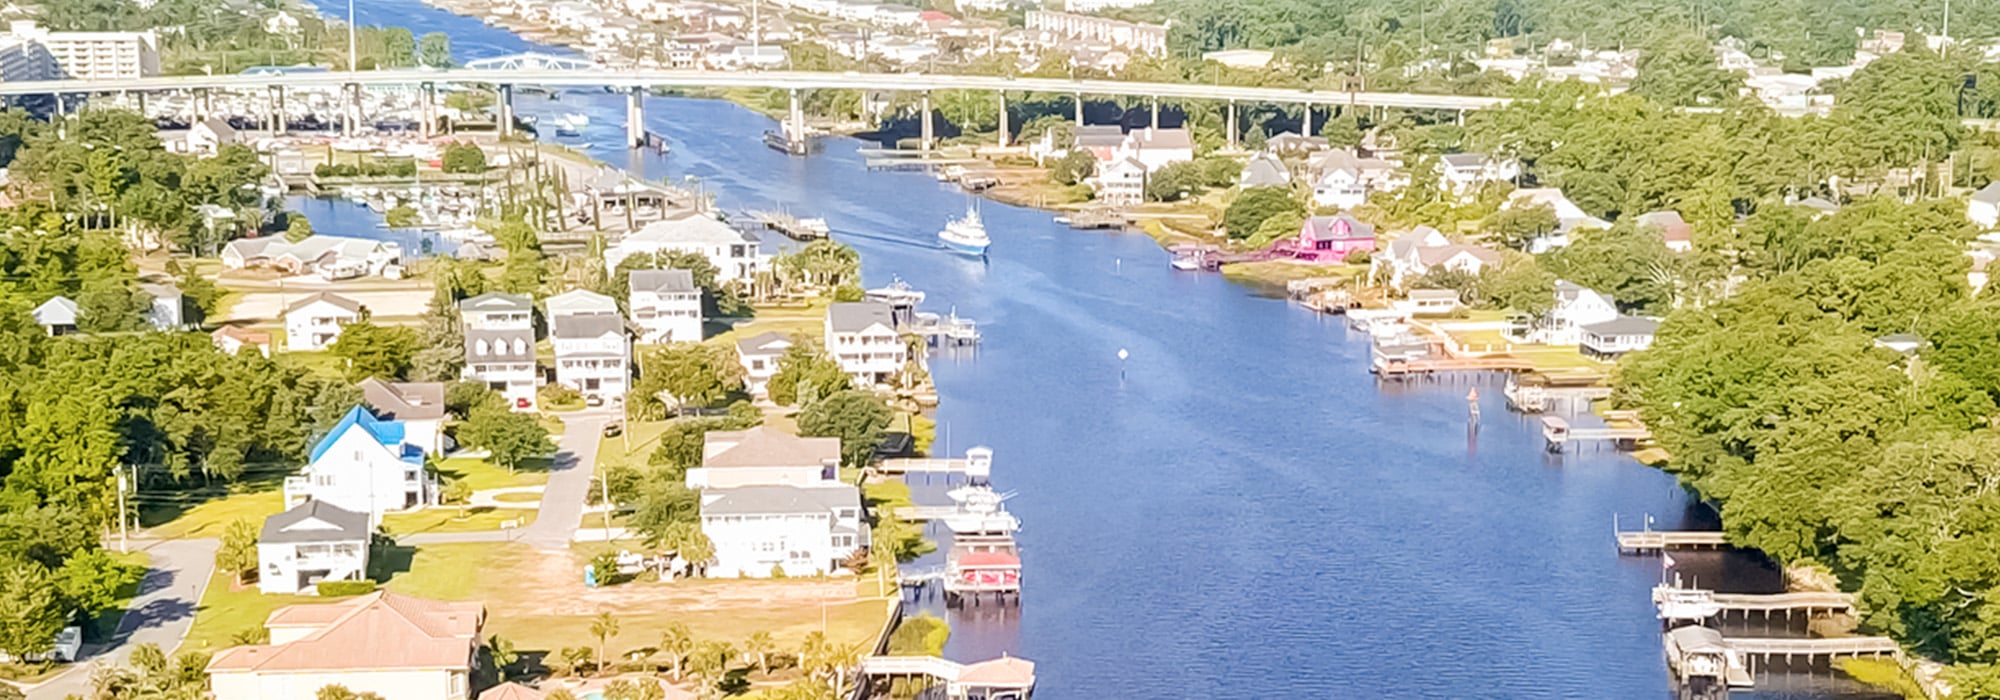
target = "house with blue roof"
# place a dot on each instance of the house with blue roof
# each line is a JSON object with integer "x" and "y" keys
{"x": 366, "y": 465}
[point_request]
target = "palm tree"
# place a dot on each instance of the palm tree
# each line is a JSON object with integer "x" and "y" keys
{"x": 758, "y": 648}
{"x": 813, "y": 653}
{"x": 603, "y": 627}
{"x": 842, "y": 658}
{"x": 677, "y": 641}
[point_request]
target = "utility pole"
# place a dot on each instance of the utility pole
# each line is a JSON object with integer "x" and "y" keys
{"x": 122, "y": 535}
{"x": 351, "y": 53}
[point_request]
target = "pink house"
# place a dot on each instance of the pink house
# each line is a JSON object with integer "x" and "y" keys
{"x": 1328, "y": 239}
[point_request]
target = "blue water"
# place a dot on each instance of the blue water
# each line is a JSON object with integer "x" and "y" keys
{"x": 1239, "y": 510}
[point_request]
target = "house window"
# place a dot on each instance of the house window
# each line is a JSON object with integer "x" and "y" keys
{"x": 322, "y": 480}
{"x": 843, "y": 540}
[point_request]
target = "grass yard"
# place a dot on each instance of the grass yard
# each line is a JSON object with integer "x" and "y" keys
{"x": 642, "y": 437}
{"x": 446, "y": 519}
{"x": 525, "y": 498}
{"x": 210, "y": 518}
{"x": 807, "y": 320}
{"x": 324, "y": 364}
{"x": 483, "y": 475}
{"x": 223, "y": 613}
{"x": 1278, "y": 272}
{"x": 1560, "y": 359}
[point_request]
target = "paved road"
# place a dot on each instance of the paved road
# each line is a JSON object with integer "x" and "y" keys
{"x": 569, "y": 482}
{"x": 161, "y": 614}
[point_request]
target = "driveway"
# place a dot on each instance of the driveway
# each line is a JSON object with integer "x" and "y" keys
{"x": 569, "y": 481}
{"x": 161, "y": 614}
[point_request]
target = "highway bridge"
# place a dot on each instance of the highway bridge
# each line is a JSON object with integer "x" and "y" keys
{"x": 562, "y": 72}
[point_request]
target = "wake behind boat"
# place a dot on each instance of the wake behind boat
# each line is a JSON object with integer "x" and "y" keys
{"x": 966, "y": 235}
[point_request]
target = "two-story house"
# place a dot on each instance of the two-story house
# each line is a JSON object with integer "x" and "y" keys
{"x": 764, "y": 456}
{"x": 737, "y": 256}
{"x": 666, "y": 306}
{"x": 1463, "y": 174}
{"x": 418, "y": 405}
{"x": 759, "y": 356}
{"x": 314, "y": 541}
{"x": 802, "y": 531}
{"x": 500, "y": 345}
{"x": 1576, "y": 307}
{"x": 363, "y": 464}
{"x": 1419, "y": 251}
{"x": 861, "y": 336}
{"x": 394, "y": 646}
{"x": 593, "y": 352}
{"x": 1610, "y": 339}
{"x": 1342, "y": 179}
{"x": 314, "y": 323}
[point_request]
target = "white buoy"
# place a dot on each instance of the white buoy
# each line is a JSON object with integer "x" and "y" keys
{"x": 1121, "y": 363}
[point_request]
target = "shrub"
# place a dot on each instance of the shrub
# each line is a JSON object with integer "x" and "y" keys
{"x": 338, "y": 589}
{"x": 558, "y": 395}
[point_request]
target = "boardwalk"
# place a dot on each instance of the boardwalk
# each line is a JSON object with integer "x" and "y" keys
{"x": 1803, "y": 600}
{"x": 1400, "y": 368}
{"x": 1648, "y": 541}
{"x": 1814, "y": 648}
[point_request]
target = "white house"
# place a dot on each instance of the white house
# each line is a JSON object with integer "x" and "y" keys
{"x": 1344, "y": 180}
{"x": 1412, "y": 254}
{"x": 1121, "y": 182}
{"x": 593, "y": 353}
{"x": 1464, "y": 173}
{"x": 57, "y": 315}
{"x": 1675, "y": 232}
{"x": 1983, "y": 208}
{"x": 331, "y": 256}
{"x": 759, "y": 356}
{"x": 500, "y": 345}
{"x": 418, "y": 405}
{"x": 1569, "y": 217}
{"x": 314, "y": 323}
{"x": 737, "y": 255}
{"x": 314, "y": 541}
{"x": 861, "y": 337}
{"x": 167, "y": 310}
{"x": 764, "y": 456}
{"x": 1158, "y": 148}
{"x": 395, "y": 646}
{"x": 801, "y": 531}
{"x": 1620, "y": 335}
{"x": 1575, "y": 308}
{"x": 364, "y": 465}
{"x": 234, "y": 339}
{"x": 666, "y": 306}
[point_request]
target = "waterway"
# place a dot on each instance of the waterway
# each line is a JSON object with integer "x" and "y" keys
{"x": 1239, "y": 510}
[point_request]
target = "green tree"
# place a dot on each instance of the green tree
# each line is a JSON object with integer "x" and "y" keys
{"x": 1074, "y": 168}
{"x": 238, "y": 553}
{"x": 375, "y": 351}
{"x": 89, "y": 581}
{"x": 503, "y": 654}
{"x": 857, "y": 417}
{"x": 30, "y": 612}
{"x": 340, "y": 692}
{"x": 509, "y": 438}
{"x": 297, "y": 227}
{"x": 1678, "y": 68}
{"x": 1253, "y": 206}
{"x": 758, "y": 648}
{"x": 604, "y": 626}
{"x": 1174, "y": 182}
{"x": 677, "y": 641}
{"x": 690, "y": 374}
{"x": 434, "y": 50}
{"x": 806, "y": 375}
{"x": 634, "y": 689}
{"x": 1515, "y": 226}
{"x": 463, "y": 158}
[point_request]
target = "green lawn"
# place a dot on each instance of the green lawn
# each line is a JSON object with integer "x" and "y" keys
{"x": 324, "y": 364}
{"x": 631, "y": 448}
{"x": 522, "y": 497}
{"x": 446, "y": 519}
{"x": 223, "y": 613}
{"x": 483, "y": 475}
{"x": 210, "y": 518}
{"x": 1560, "y": 359}
{"x": 1278, "y": 272}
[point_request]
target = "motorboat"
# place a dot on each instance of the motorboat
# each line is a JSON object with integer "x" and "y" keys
{"x": 966, "y": 235}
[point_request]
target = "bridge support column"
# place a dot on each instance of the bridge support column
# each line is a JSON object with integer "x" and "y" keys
{"x": 1309, "y": 120}
{"x": 1230, "y": 125}
{"x": 1156, "y": 112}
{"x": 142, "y": 103}
{"x": 506, "y": 111}
{"x": 635, "y": 117}
{"x": 200, "y": 104}
{"x": 279, "y": 119}
{"x": 427, "y": 111}
{"x": 1079, "y": 109}
{"x": 351, "y": 125}
{"x": 795, "y": 119}
{"x": 924, "y": 104}
{"x": 1461, "y": 117}
{"x": 1004, "y": 136}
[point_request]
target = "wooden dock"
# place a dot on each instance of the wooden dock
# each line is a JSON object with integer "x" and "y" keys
{"x": 1813, "y": 648}
{"x": 1557, "y": 433}
{"x": 1649, "y": 541}
{"x": 1410, "y": 368}
{"x": 923, "y": 465}
{"x": 1808, "y": 601}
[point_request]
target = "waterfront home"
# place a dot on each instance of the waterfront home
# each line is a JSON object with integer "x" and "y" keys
{"x": 1264, "y": 170}
{"x": 1329, "y": 240}
{"x": 57, "y": 316}
{"x": 314, "y": 323}
{"x": 759, "y": 356}
{"x": 1575, "y": 307}
{"x": 593, "y": 351}
{"x": 1609, "y": 339}
{"x": 1101, "y": 140}
{"x": 1423, "y": 249}
{"x": 500, "y": 345}
{"x": 861, "y": 336}
{"x": 394, "y": 646}
{"x": 331, "y": 257}
{"x": 1344, "y": 180}
{"x": 737, "y": 255}
{"x": 1674, "y": 231}
{"x": 799, "y": 531}
{"x": 1431, "y": 302}
{"x": 1463, "y": 174}
{"x": 1157, "y": 147}
{"x": 166, "y": 309}
{"x": 209, "y": 135}
{"x": 1291, "y": 143}
{"x": 418, "y": 405}
{"x": 1121, "y": 183}
{"x": 1387, "y": 351}
{"x": 364, "y": 464}
{"x": 765, "y": 456}
{"x": 1569, "y": 217}
{"x": 1983, "y": 207}
{"x": 312, "y": 542}
{"x": 234, "y": 339}
{"x": 666, "y": 306}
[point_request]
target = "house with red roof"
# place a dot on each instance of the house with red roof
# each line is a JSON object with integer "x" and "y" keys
{"x": 396, "y": 646}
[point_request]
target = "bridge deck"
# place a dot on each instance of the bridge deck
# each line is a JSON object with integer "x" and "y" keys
{"x": 1654, "y": 540}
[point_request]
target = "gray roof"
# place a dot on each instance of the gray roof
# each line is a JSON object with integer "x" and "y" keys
{"x": 585, "y": 325}
{"x": 757, "y": 344}
{"x": 1624, "y": 325}
{"x": 1100, "y": 136}
{"x": 1465, "y": 160}
{"x": 1265, "y": 170}
{"x": 765, "y": 500}
{"x": 404, "y": 400}
{"x": 1989, "y": 194}
{"x": 1164, "y": 138}
{"x": 500, "y": 344}
{"x": 339, "y": 525}
{"x": 164, "y": 290}
{"x": 856, "y": 316}
{"x": 496, "y": 301}
{"x": 666, "y": 281}
{"x": 334, "y": 299}
{"x": 57, "y": 311}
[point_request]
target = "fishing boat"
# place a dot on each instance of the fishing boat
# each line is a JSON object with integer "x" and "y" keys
{"x": 571, "y": 124}
{"x": 966, "y": 235}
